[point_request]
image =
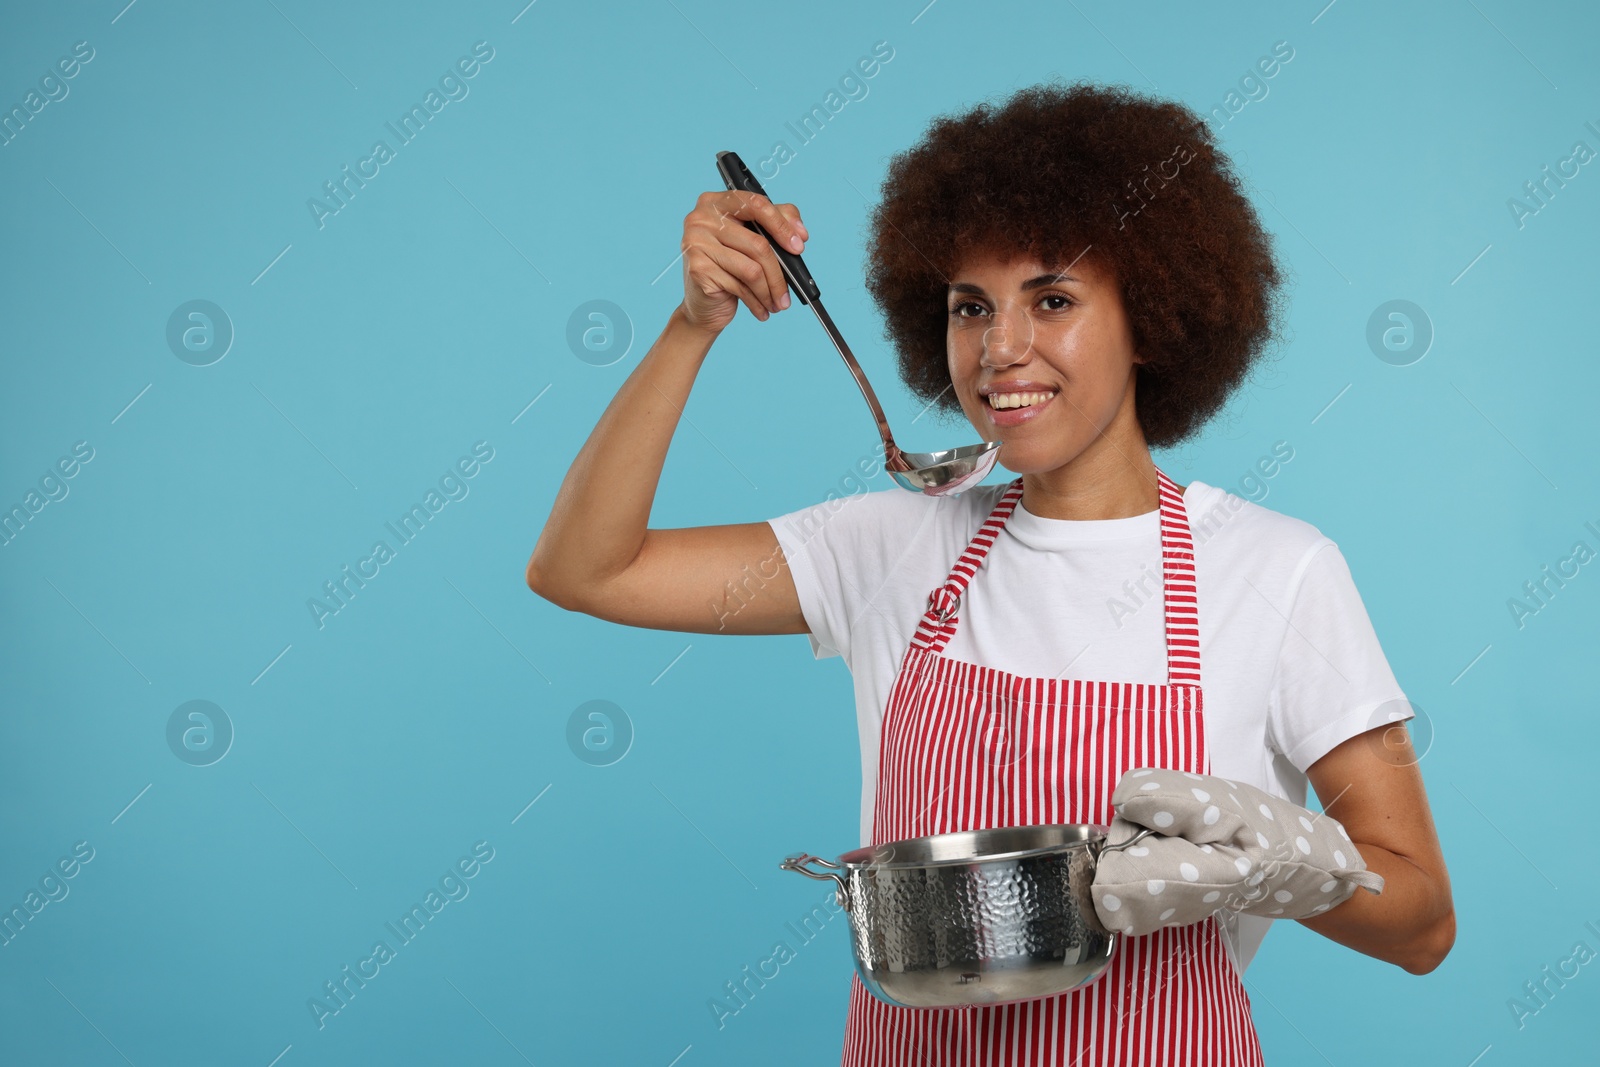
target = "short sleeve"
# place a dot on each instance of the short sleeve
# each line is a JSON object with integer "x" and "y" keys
{"x": 1332, "y": 679}
{"x": 821, "y": 544}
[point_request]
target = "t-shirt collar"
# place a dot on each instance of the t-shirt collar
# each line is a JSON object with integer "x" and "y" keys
{"x": 1047, "y": 534}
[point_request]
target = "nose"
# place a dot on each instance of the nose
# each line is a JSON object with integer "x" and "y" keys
{"x": 1005, "y": 342}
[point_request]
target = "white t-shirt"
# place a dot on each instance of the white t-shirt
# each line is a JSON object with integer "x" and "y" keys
{"x": 1289, "y": 663}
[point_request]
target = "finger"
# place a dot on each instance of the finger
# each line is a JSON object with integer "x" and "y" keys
{"x": 749, "y": 271}
{"x": 792, "y": 213}
{"x": 759, "y": 249}
{"x": 758, "y": 209}
{"x": 702, "y": 264}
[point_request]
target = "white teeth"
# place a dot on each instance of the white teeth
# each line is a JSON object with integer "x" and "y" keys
{"x": 1017, "y": 400}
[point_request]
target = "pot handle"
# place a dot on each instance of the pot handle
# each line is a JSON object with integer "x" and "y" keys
{"x": 797, "y": 864}
{"x": 1119, "y": 846}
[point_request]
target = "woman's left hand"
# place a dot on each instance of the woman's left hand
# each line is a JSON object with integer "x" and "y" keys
{"x": 1218, "y": 844}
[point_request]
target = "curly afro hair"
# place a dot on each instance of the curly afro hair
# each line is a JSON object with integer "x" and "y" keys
{"x": 1133, "y": 183}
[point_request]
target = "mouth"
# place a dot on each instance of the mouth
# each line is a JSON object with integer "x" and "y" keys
{"x": 1008, "y": 401}
{"x": 1013, "y": 407}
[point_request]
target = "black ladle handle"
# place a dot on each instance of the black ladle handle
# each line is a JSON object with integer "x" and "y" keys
{"x": 737, "y": 176}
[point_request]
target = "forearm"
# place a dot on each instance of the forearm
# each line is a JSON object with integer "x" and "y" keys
{"x": 601, "y": 512}
{"x": 1411, "y": 924}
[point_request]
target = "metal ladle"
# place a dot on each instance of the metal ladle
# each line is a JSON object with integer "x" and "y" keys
{"x": 945, "y": 473}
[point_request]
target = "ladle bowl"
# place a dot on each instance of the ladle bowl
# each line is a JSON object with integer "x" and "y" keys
{"x": 946, "y": 473}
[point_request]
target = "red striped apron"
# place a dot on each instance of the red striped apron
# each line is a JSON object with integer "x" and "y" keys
{"x": 968, "y": 747}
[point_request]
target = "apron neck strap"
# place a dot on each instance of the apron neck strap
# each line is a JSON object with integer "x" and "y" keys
{"x": 938, "y": 623}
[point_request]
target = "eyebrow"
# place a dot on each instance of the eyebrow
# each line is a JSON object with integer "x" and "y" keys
{"x": 1031, "y": 283}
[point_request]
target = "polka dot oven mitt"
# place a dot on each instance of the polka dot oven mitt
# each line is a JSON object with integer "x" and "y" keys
{"x": 1218, "y": 844}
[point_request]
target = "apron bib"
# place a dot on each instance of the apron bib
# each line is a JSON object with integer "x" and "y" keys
{"x": 968, "y": 747}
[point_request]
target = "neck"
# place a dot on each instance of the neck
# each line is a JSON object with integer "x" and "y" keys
{"x": 1113, "y": 478}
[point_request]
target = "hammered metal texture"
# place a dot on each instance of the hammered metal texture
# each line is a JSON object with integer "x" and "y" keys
{"x": 980, "y": 933}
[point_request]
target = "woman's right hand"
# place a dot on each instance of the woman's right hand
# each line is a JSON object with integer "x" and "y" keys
{"x": 724, "y": 262}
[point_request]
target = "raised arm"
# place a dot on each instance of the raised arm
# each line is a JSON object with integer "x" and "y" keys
{"x": 596, "y": 554}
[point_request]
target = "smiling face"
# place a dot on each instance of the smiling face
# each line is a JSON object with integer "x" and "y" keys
{"x": 1053, "y": 347}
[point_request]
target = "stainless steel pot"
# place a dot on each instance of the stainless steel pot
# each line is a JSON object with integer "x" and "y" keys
{"x": 976, "y": 917}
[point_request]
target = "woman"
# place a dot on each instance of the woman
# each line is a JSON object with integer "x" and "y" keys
{"x": 1077, "y": 274}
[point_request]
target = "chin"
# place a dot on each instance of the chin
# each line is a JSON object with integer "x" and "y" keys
{"x": 1023, "y": 459}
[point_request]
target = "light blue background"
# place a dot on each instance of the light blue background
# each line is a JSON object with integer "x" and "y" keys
{"x": 370, "y": 354}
